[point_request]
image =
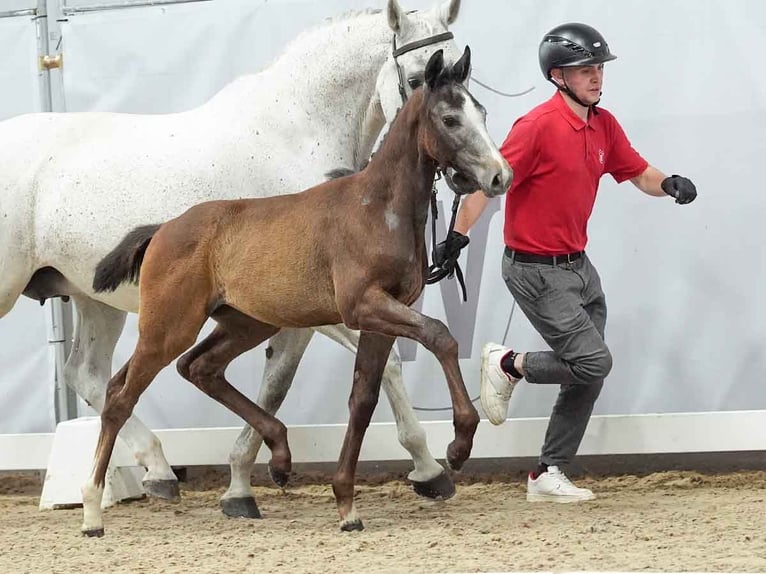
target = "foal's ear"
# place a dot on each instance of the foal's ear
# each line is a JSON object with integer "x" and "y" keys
{"x": 462, "y": 67}
{"x": 434, "y": 68}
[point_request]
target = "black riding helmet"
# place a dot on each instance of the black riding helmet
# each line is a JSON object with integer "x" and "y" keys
{"x": 572, "y": 44}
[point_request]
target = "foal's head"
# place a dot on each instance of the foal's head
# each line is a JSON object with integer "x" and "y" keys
{"x": 453, "y": 130}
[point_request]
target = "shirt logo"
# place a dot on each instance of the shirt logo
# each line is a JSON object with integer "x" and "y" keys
{"x": 601, "y": 156}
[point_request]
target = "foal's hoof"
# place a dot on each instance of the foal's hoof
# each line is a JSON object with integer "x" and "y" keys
{"x": 166, "y": 489}
{"x": 455, "y": 460}
{"x": 279, "y": 477}
{"x": 352, "y": 526}
{"x": 94, "y": 533}
{"x": 440, "y": 488}
{"x": 244, "y": 507}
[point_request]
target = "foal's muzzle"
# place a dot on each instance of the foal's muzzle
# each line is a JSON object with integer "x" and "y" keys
{"x": 499, "y": 180}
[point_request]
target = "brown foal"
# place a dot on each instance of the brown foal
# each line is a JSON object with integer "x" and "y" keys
{"x": 350, "y": 250}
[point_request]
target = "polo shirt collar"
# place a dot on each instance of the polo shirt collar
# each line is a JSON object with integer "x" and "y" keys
{"x": 566, "y": 112}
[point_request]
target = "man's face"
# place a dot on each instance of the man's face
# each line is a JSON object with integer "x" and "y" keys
{"x": 584, "y": 81}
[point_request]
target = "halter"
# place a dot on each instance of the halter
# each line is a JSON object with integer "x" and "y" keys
{"x": 435, "y": 273}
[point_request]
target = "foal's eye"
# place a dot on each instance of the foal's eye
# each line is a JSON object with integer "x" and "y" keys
{"x": 415, "y": 83}
{"x": 450, "y": 121}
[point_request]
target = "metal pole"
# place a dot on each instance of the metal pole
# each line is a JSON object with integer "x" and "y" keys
{"x": 16, "y": 13}
{"x": 60, "y": 313}
{"x": 69, "y": 11}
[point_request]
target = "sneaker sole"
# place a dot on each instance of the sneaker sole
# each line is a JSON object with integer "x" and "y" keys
{"x": 558, "y": 498}
{"x": 484, "y": 394}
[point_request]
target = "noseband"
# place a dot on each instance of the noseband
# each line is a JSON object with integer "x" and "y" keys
{"x": 435, "y": 273}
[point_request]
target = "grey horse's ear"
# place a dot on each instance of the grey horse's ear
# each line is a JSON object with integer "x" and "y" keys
{"x": 449, "y": 11}
{"x": 462, "y": 67}
{"x": 396, "y": 16}
{"x": 434, "y": 68}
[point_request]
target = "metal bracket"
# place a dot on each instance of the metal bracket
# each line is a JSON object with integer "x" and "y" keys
{"x": 51, "y": 62}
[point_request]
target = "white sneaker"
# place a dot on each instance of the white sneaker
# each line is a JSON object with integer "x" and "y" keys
{"x": 496, "y": 384}
{"x": 554, "y": 486}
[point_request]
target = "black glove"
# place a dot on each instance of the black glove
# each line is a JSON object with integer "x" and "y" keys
{"x": 446, "y": 252}
{"x": 679, "y": 187}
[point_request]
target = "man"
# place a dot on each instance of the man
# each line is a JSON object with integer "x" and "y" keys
{"x": 559, "y": 151}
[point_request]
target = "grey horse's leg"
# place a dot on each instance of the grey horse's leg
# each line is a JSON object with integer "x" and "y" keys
{"x": 282, "y": 357}
{"x": 428, "y": 478}
{"x": 87, "y": 371}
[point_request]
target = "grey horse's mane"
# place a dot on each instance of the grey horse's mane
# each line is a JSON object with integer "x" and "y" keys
{"x": 344, "y": 171}
{"x": 330, "y": 20}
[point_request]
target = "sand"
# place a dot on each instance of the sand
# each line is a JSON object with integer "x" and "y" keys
{"x": 670, "y": 521}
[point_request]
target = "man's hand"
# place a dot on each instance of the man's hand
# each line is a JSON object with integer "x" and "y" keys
{"x": 679, "y": 187}
{"x": 447, "y": 251}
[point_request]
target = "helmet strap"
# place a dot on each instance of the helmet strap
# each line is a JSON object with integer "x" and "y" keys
{"x": 565, "y": 88}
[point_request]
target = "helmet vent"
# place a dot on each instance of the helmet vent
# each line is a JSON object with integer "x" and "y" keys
{"x": 578, "y": 49}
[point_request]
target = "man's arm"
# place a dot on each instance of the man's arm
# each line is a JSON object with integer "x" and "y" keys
{"x": 470, "y": 210}
{"x": 650, "y": 181}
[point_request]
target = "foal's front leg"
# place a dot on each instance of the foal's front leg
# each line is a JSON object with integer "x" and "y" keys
{"x": 429, "y": 479}
{"x": 377, "y": 311}
{"x": 368, "y": 370}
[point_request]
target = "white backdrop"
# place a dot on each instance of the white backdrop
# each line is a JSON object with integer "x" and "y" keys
{"x": 26, "y": 368}
{"x": 686, "y": 325}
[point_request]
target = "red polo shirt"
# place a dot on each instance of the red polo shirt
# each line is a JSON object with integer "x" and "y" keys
{"x": 557, "y": 161}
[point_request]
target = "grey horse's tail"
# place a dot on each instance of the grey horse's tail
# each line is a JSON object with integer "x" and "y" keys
{"x": 123, "y": 264}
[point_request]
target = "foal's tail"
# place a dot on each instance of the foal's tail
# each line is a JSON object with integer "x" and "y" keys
{"x": 123, "y": 264}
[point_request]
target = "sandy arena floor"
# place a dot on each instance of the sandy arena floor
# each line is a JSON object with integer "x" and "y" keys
{"x": 671, "y": 521}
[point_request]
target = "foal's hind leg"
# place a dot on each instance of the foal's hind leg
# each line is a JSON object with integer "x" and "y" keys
{"x": 368, "y": 370}
{"x": 205, "y": 366}
{"x": 429, "y": 479}
{"x": 89, "y": 366}
{"x": 282, "y": 357}
{"x": 159, "y": 343}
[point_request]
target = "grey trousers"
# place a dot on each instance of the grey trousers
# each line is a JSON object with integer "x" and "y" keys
{"x": 566, "y": 305}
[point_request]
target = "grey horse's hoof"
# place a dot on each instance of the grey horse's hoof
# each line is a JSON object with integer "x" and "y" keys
{"x": 440, "y": 488}
{"x": 244, "y": 507}
{"x": 279, "y": 477}
{"x": 353, "y": 526}
{"x": 165, "y": 489}
{"x": 95, "y": 533}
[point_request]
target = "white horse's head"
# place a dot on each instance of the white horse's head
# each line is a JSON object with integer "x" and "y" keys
{"x": 417, "y": 35}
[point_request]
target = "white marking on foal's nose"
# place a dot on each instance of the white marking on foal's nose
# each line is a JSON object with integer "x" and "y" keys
{"x": 392, "y": 220}
{"x": 476, "y": 118}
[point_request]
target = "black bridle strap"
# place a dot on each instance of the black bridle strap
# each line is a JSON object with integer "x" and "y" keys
{"x": 436, "y": 273}
{"x": 443, "y": 37}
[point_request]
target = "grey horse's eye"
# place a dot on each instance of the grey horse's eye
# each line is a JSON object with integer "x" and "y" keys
{"x": 415, "y": 83}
